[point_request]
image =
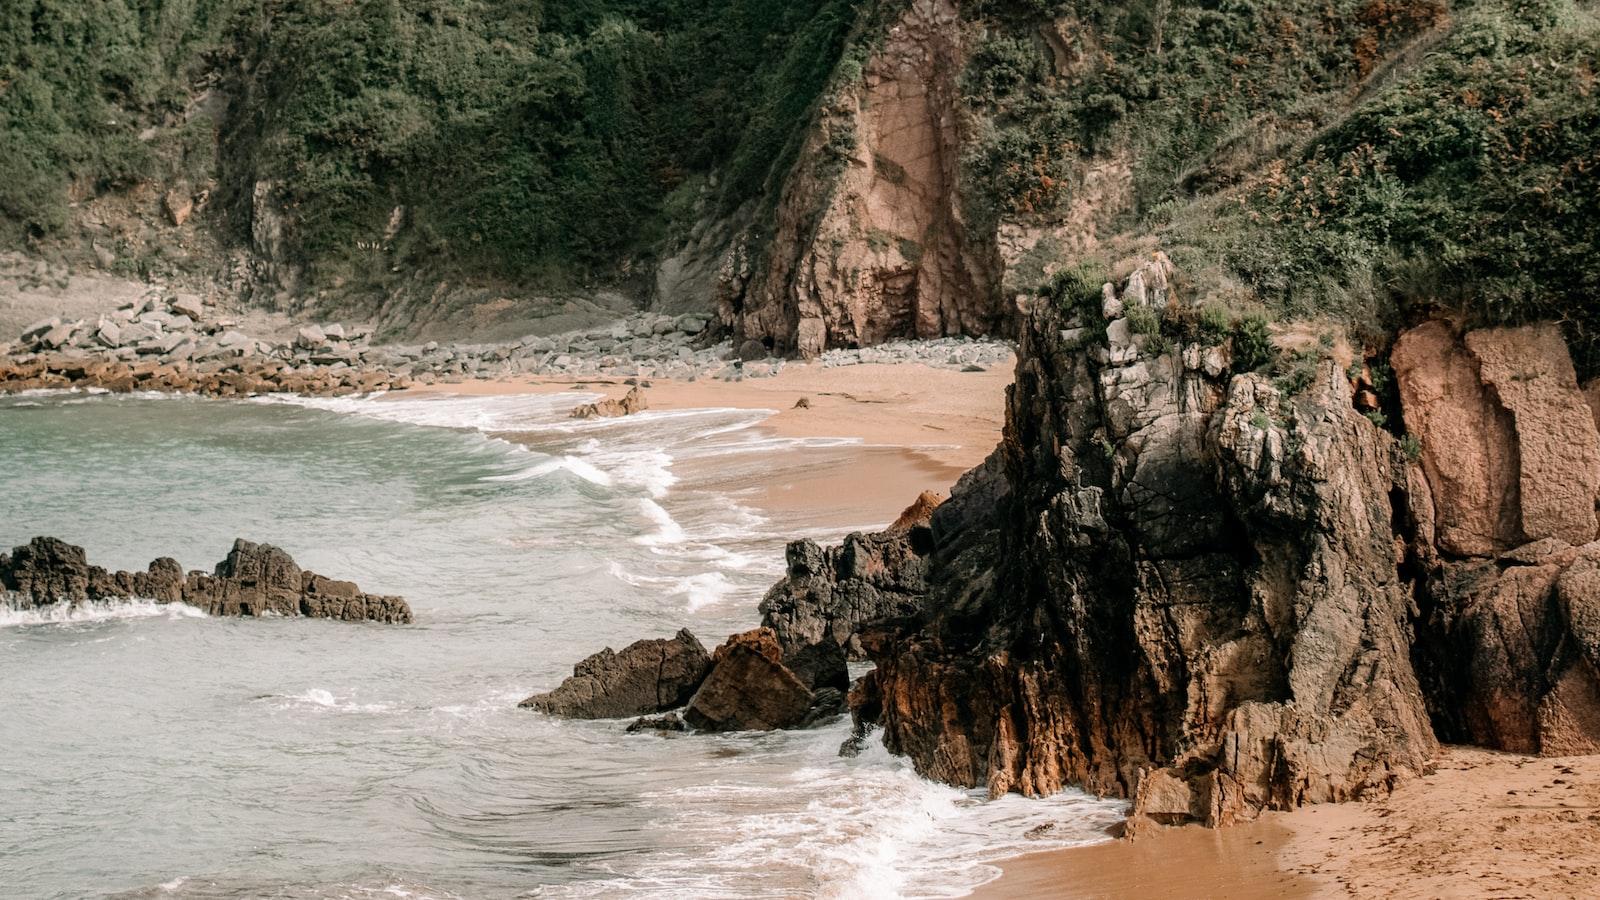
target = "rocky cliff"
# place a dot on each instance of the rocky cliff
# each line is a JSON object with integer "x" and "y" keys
{"x": 870, "y": 242}
{"x": 1216, "y": 592}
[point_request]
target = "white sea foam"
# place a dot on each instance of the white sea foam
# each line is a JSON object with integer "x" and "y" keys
{"x": 667, "y": 530}
{"x": 319, "y": 698}
{"x": 98, "y": 611}
{"x": 570, "y": 464}
{"x": 873, "y": 826}
{"x": 699, "y": 590}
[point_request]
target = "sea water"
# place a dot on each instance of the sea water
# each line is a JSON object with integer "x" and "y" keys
{"x": 153, "y": 751}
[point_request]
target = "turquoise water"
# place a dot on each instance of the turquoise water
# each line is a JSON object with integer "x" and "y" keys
{"x": 153, "y": 751}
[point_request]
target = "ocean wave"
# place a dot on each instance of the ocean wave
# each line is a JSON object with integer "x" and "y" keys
{"x": 317, "y": 698}
{"x": 569, "y": 464}
{"x": 699, "y": 590}
{"x": 66, "y": 613}
{"x": 873, "y": 826}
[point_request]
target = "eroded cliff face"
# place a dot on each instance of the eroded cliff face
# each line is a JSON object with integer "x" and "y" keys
{"x": 1505, "y": 536}
{"x": 1193, "y": 598}
{"x": 869, "y": 241}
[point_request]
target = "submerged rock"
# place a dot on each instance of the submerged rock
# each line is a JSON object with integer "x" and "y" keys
{"x": 647, "y": 676}
{"x": 254, "y": 580}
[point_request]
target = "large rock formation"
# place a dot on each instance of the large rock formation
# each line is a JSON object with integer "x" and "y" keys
{"x": 870, "y": 242}
{"x": 254, "y": 580}
{"x": 647, "y": 676}
{"x": 1193, "y": 597}
{"x": 1505, "y": 536}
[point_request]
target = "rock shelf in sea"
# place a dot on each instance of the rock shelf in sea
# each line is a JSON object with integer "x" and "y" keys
{"x": 254, "y": 580}
{"x": 179, "y": 343}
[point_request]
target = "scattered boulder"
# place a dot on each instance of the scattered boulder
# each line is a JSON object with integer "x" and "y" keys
{"x": 647, "y": 676}
{"x": 753, "y": 350}
{"x": 749, "y": 688}
{"x": 188, "y": 305}
{"x": 254, "y": 580}
{"x": 634, "y": 401}
{"x": 178, "y": 205}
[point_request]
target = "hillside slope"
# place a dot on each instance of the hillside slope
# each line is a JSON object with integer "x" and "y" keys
{"x": 824, "y": 173}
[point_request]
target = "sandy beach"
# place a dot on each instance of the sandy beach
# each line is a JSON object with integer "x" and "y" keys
{"x": 914, "y": 428}
{"x": 1483, "y": 824}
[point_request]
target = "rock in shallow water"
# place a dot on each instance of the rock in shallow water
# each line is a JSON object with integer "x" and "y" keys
{"x": 647, "y": 676}
{"x": 254, "y": 580}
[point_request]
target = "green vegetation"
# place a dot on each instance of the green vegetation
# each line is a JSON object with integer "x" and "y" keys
{"x": 1361, "y": 159}
{"x": 1075, "y": 288}
{"x": 521, "y": 138}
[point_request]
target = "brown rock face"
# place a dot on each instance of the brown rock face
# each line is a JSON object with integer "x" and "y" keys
{"x": 254, "y": 580}
{"x": 873, "y": 246}
{"x": 1506, "y": 549}
{"x": 749, "y": 688}
{"x": 1510, "y": 446}
{"x": 647, "y": 676}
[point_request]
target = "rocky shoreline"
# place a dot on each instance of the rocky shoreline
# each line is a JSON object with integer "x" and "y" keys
{"x": 178, "y": 343}
{"x": 254, "y": 580}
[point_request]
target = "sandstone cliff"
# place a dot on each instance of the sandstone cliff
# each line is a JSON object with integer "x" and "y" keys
{"x": 869, "y": 240}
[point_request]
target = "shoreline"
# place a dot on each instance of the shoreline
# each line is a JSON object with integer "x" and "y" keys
{"x": 910, "y": 428}
{"x": 1481, "y": 823}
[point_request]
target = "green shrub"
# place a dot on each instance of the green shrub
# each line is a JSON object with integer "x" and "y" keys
{"x": 1076, "y": 287}
{"x": 1411, "y": 447}
{"x": 1252, "y": 343}
{"x": 1143, "y": 320}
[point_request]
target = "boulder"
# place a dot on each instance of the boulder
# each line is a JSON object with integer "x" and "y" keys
{"x": 188, "y": 305}
{"x": 647, "y": 676}
{"x": 254, "y": 580}
{"x": 749, "y": 688}
{"x": 753, "y": 350}
{"x": 310, "y": 337}
{"x": 634, "y": 401}
{"x": 39, "y": 328}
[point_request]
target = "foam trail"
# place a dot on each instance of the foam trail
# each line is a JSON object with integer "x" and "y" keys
{"x": 667, "y": 532}
{"x": 98, "y": 611}
{"x": 569, "y": 464}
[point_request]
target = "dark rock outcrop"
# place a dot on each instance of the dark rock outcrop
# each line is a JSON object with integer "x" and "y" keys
{"x": 828, "y": 594}
{"x": 648, "y": 676}
{"x": 750, "y": 689}
{"x": 254, "y": 580}
{"x": 1184, "y": 589}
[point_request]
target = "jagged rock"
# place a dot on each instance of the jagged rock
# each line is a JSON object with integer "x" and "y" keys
{"x": 254, "y": 580}
{"x": 749, "y": 688}
{"x": 820, "y": 665}
{"x": 1506, "y": 546}
{"x": 188, "y": 305}
{"x": 1184, "y": 591}
{"x": 647, "y": 676}
{"x": 878, "y": 248}
{"x": 632, "y": 402}
{"x": 1509, "y": 453}
{"x": 827, "y": 595}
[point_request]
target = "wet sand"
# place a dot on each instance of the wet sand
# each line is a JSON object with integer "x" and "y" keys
{"x": 916, "y": 428}
{"x": 1483, "y": 824}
